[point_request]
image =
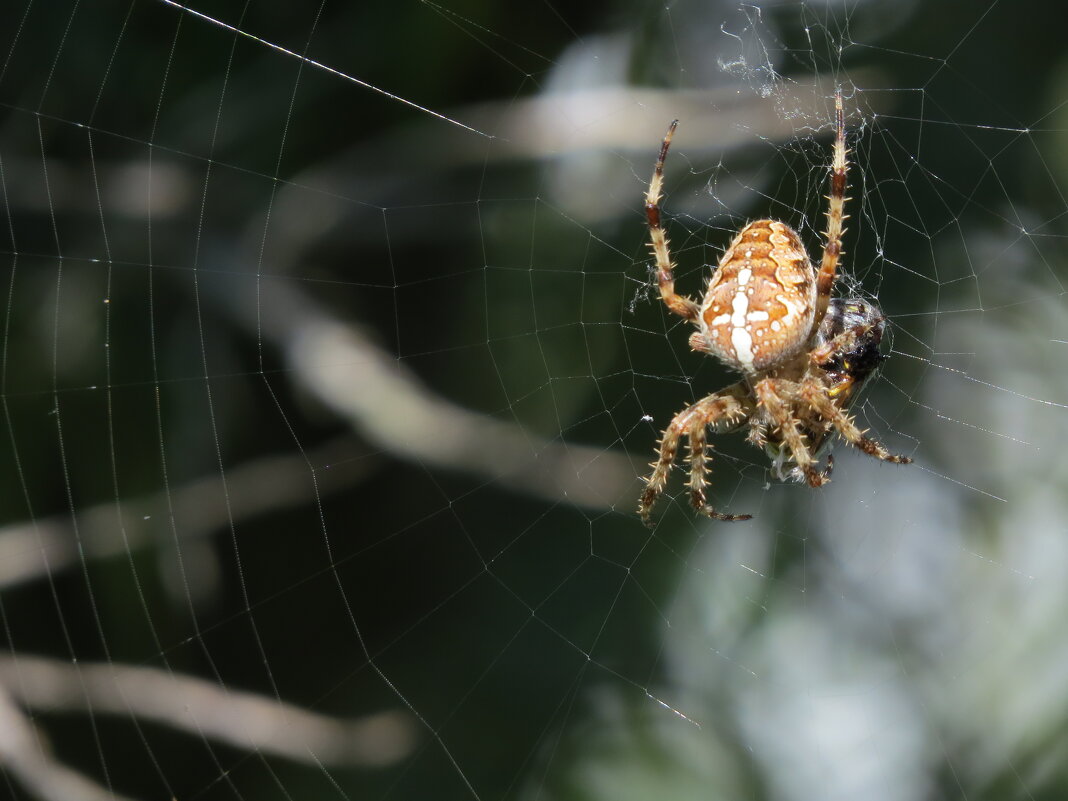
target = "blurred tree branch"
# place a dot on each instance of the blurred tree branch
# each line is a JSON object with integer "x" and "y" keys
{"x": 198, "y": 707}
{"x": 30, "y": 550}
{"x": 25, "y": 756}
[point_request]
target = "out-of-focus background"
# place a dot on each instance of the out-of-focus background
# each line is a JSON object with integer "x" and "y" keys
{"x": 330, "y": 369}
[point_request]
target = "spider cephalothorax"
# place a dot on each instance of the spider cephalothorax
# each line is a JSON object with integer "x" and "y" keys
{"x": 768, "y": 313}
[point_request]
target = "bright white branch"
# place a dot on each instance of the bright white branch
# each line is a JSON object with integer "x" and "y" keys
{"x": 389, "y": 405}
{"x": 201, "y": 708}
{"x": 24, "y": 757}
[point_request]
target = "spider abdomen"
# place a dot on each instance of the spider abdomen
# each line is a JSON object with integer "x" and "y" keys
{"x": 760, "y": 304}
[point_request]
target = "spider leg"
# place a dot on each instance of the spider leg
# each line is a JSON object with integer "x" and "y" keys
{"x": 843, "y": 343}
{"x": 654, "y": 485}
{"x": 698, "y": 470}
{"x": 758, "y": 434}
{"x": 769, "y": 393}
{"x": 725, "y": 407}
{"x": 665, "y": 273}
{"x": 836, "y": 216}
{"x": 815, "y": 396}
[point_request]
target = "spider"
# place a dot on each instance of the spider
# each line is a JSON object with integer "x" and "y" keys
{"x": 768, "y": 313}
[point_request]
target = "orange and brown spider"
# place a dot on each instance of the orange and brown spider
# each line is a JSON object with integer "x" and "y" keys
{"x": 768, "y": 313}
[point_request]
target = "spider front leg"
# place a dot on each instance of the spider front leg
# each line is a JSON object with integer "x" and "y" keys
{"x": 836, "y": 216}
{"x": 815, "y": 396}
{"x": 698, "y": 471}
{"x": 725, "y": 409}
{"x": 665, "y": 273}
{"x": 859, "y": 342}
{"x": 774, "y": 396}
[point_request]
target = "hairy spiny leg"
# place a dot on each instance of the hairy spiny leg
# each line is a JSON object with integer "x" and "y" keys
{"x": 726, "y": 407}
{"x": 658, "y": 241}
{"x": 698, "y": 470}
{"x": 769, "y": 393}
{"x": 814, "y": 396}
{"x": 669, "y": 445}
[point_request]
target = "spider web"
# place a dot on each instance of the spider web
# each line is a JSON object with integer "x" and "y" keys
{"x": 331, "y": 367}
